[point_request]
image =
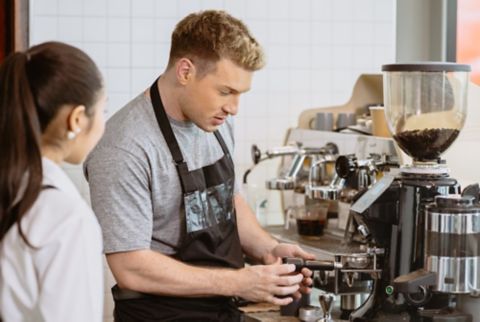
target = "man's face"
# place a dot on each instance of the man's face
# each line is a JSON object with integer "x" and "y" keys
{"x": 208, "y": 100}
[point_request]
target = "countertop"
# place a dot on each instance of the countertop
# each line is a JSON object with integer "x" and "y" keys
{"x": 269, "y": 317}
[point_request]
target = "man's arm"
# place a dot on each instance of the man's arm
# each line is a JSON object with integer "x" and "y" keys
{"x": 261, "y": 246}
{"x": 120, "y": 186}
{"x": 256, "y": 242}
{"x": 150, "y": 272}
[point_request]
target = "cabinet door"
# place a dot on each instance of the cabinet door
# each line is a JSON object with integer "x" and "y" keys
{"x": 13, "y": 26}
{"x": 4, "y": 29}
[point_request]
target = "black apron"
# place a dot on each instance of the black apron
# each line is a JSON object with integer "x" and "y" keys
{"x": 211, "y": 237}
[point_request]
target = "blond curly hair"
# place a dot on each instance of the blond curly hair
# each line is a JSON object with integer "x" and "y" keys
{"x": 208, "y": 36}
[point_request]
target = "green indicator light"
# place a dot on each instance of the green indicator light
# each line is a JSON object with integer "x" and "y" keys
{"x": 389, "y": 290}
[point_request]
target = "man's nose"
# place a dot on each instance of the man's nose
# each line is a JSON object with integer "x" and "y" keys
{"x": 232, "y": 106}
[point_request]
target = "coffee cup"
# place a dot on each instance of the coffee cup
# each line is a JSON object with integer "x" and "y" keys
{"x": 379, "y": 121}
{"x": 312, "y": 220}
{"x": 323, "y": 121}
{"x": 346, "y": 119}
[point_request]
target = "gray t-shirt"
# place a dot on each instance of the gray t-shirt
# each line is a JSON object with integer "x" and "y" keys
{"x": 134, "y": 185}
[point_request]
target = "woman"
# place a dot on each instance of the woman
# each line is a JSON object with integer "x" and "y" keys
{"x": 51, "y": 110}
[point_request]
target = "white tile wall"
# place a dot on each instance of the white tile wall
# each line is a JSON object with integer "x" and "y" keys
{"x": 316, "y": 49}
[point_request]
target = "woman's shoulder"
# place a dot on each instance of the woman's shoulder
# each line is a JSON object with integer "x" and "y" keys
{"x": 54, "y": 213}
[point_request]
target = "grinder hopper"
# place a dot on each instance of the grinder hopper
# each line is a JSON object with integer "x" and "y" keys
{"x": 425, "y": 107}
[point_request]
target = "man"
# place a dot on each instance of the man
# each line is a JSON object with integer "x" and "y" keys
{"x": 162, "y": 185}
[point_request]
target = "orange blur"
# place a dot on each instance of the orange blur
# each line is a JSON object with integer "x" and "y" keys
{"x": 468, "y": 36}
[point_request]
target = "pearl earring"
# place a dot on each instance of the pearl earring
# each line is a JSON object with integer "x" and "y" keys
{"x": 72, "y": 134}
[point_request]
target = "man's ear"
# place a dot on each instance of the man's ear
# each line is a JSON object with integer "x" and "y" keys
{"x": 185, "y": 70}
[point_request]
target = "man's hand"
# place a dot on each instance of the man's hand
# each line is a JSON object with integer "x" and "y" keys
{"x": 291, "y": 250}
{"x": 268, "y": 283}
{"x": 286, "y": 250}
{"x": 261, "y": 246}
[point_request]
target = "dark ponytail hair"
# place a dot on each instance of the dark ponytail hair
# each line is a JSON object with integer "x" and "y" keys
{"x": 34, "y": 86}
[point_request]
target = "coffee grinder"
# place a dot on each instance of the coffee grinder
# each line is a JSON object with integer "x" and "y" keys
{"x": 425, "y": 107}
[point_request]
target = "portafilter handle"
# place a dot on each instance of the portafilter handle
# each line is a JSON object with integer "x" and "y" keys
{"x": 313, "y": 265}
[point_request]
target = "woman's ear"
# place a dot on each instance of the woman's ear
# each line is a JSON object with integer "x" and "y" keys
{"x": 75, "y": 119}
{"x": 185, "y": 70}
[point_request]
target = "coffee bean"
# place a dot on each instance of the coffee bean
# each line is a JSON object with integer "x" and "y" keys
{"x": 426, "y": 145}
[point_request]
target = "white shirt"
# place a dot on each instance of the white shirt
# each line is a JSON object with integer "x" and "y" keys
{"x": 61, "y": 280}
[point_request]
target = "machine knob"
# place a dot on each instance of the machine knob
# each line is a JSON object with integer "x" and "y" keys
{"x": 256, "y": 154}
{"x": 346, "y": 165}
{"x": 472, "y": 190}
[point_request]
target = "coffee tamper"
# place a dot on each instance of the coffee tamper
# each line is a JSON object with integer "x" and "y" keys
{"x": 326, "y": 302}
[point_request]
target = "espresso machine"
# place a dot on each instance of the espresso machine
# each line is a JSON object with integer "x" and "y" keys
{"x": 428, "y": 232}
{"x": 345, "y": 265}
{"x": 299, "y": 173}
{"x": 351, "y": 174}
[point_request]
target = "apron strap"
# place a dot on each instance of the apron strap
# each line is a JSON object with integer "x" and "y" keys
{"x": 164, "y": 124}
{"x": 222, "y": 144}
{"x": 165, "y": 127}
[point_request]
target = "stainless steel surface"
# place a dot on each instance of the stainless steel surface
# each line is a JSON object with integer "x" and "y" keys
{"x": 330, "y": 192}
{"x": 452, "y": 233}
{"x": 296, "y": 166}
{"x": 326, "y": 246}
{"x": 455, "y": 275}
{"x": 283, "y": 150}
{"x": 324, "y": 150}
{"x": 319, "y": 176}
{"x": 358, "y": 261}
{"x": 363, "y": 230}
{"x": 361, "y": 145}
{"x": 355, "y": 263}
{"x": 326, "y": 301}
{"x": 454, "y": 223}
{"x": 322, "y": 192}
{"x": 281, "y": 184}
{"x": 350, "y": 301}
{"x": 309, "y": 313}
{"x": 295, "y": 176}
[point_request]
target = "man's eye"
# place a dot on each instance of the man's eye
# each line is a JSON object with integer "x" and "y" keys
{"x": 224, "y": 93}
